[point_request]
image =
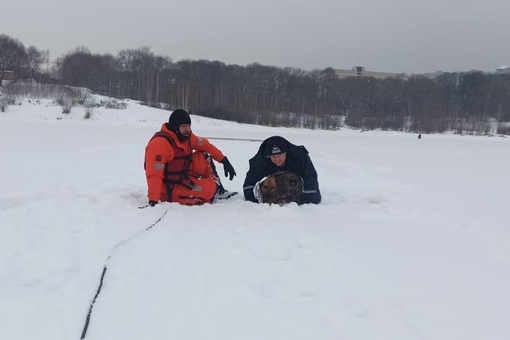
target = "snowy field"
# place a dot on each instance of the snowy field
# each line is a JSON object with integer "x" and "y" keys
{"x": 411, "y": 241}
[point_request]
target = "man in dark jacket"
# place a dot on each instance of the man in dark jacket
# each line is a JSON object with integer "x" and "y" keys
{"x": 277, "y": 154}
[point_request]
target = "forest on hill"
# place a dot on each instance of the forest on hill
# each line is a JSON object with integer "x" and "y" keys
{"x": 464, "y": 102}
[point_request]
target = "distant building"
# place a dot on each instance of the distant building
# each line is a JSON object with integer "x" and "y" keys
{"x": 503, "y": 69}
{"x": 8, "y": 75}
{"x": 433, "y": 75}
{"x": 359, "y": 71}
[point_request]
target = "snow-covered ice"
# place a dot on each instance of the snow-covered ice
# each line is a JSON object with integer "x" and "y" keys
{"x": 411, "y": 241}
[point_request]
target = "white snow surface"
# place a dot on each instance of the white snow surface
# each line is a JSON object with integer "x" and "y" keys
{"x": 411, "y": 240}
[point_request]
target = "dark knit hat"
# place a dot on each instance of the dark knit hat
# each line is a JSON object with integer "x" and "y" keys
{"x": 177, "y": 118}
{"x": 275, "y": 148}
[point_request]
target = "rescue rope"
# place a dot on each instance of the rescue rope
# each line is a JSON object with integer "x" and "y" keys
{"x": 237, "y": 139}
{"x": 105, "y": 268}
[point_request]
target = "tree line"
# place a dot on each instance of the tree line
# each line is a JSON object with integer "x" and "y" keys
{"x": 463, "y": 102}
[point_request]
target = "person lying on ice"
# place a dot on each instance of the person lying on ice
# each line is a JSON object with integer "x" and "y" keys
{"x": 276, "y": 154}
{"x": 178, "y": 165}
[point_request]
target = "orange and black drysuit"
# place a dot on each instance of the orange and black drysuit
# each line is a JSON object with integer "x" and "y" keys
{"x": 175, "y": 173}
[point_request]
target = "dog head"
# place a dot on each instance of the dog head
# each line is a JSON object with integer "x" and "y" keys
{"x": 268, "y": 190}
{"x": 282, "y": 188}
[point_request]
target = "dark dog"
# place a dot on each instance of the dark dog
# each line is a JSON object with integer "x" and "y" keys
{"x": 282, "y": 188}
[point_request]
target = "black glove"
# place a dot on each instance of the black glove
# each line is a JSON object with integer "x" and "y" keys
{"x": 306, "y": 199}
{"x": 229, "y": 169}
{"x": 153, "y": 203}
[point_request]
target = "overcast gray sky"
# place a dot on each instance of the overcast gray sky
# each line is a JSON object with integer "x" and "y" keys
{"x": 412, "y": 36}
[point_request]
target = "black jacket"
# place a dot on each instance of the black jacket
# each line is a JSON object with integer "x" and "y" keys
{"x": 297, "y": 161}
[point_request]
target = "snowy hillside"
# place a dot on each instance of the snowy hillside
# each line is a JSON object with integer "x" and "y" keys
{"x": 411, "y": 240}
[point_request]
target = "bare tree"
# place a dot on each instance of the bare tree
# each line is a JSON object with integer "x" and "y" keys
{"x": 12, "y": 52}
{"x": 35, "y": 58}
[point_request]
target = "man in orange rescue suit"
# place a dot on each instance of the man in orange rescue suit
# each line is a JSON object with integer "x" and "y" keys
{"x": 177, "y": 173}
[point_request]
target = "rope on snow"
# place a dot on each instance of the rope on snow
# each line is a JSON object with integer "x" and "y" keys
{"x": 105, "y": 268}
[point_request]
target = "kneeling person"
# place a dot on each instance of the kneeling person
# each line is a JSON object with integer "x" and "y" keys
{"x": 178, "y": 164}
{"x": 275, "y": 156}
